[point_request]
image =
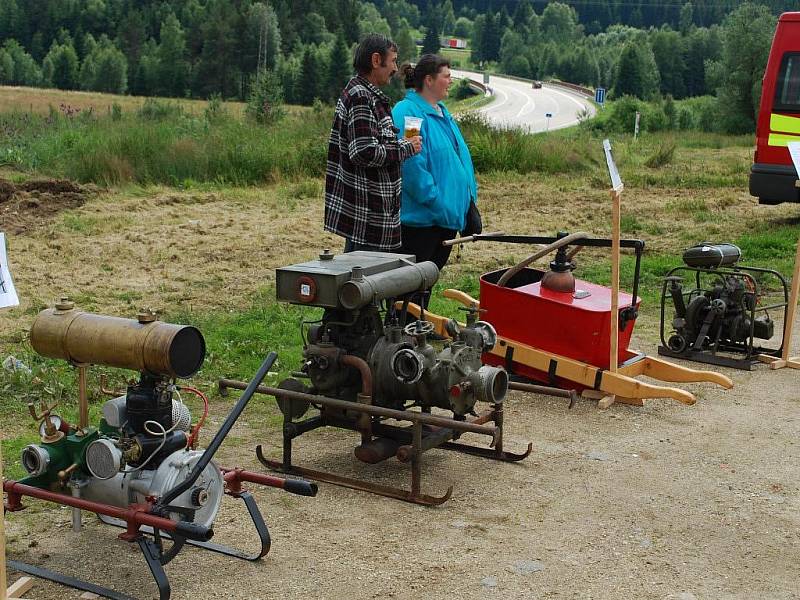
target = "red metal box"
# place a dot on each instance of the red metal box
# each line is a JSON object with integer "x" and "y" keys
{"x": 575, "y": 325}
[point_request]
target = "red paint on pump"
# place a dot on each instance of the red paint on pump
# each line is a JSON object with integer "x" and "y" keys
{"x": 557, "y": 322}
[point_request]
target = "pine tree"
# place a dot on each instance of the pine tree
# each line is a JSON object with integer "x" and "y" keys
{"x": 406, "y": 48}
{"x": 25, "y": 70}
{"x": 173, "y": 68}
{"x": 686, "y": 20}
{"x": 340, "y": 68}
{"x": 431, "y": 42}
{"x": 637, "y": 72}
{"x": 6, "y": 68}
{"x": 490, "y": 39}
{"x": 448, "y": 18}
{"x": 215, "y": 73}
{"x": 669, "y": 51}
{"x": 265, "y": 103}
{"x": 309, "y": 77}
{"x": 348, "y": 12}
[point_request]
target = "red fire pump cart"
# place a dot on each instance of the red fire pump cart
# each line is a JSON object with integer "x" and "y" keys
{"x": 554, "y": 329}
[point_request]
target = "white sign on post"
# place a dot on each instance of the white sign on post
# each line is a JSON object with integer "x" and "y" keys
{"x": 794, "y": 152}
{"x": 616, "y": 180}
{"x": 8, "y": 295}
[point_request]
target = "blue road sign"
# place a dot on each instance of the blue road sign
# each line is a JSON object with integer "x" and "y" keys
{"x": 600, "y": 95}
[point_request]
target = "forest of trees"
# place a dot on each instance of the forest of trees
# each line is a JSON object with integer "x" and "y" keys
{"x": 201, "y": 48}
{"x": 597, "y": 15}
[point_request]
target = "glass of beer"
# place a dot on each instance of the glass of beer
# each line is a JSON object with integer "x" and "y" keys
{"x": 412, "y": 128}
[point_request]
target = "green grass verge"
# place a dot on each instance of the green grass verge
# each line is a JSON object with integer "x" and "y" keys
{"x": 169, "y": 146}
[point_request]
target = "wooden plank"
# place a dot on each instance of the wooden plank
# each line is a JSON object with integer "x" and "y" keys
{"x": 666, "y": 371}
{"x": 598, "y": 395}
{"x": 606, "y": 402}
{"x": 779, "y": 363}
{"x": 19, "y": 587}
{"x": 462, "y": 297}
{"x": 787, "y": 326}
{"x": 584, "y": 374}
{"x": 615, "y": 245}
{"x": 3, "y": 580}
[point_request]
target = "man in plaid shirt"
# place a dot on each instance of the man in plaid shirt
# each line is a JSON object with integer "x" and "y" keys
{"x": 362, "y": 178}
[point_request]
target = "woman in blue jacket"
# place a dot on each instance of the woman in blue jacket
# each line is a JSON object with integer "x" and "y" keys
{"x": 439, "y": 182}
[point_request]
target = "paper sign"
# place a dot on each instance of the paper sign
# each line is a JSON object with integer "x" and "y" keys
{"x": 794, "y": 152}
{"x": 616, "y": 181}
{"x": 8, "y": 295}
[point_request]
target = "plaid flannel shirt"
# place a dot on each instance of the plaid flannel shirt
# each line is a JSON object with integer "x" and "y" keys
{"x": 362, "y": 178}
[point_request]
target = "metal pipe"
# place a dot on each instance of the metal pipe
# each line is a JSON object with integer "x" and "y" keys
{"x": 471, "y": 238}
{"x": 539, "y": 253}
{"x": 363, "y": 368}
{"x": 542, "y": 389}
{"x": 365, "y": 397}
{"x": 378, "y": 411}
{"x": 76, "y": 512}
{"x": 132, "y": 516}
{"x": 227, "y": 425}
{"x": 427, "y": 442}
{"x": 301, "y": 487}
{"x": 83, "y": 400}
{"x": 358, "y": 292}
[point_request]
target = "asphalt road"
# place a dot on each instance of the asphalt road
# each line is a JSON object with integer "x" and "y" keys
{"x": 517, "y": 104}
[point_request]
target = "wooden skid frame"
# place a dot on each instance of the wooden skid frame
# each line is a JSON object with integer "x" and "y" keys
{"x": 622, "y": 384}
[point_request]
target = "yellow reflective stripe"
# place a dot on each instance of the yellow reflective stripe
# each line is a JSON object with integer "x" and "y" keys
{"x": 779, "y": 139}
{"x": 784, "y": 123}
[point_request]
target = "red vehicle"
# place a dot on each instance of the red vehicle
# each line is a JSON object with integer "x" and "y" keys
{"x": 772, "y": 176}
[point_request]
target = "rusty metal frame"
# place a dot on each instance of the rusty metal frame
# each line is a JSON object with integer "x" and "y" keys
{"x": 426, "y": 432}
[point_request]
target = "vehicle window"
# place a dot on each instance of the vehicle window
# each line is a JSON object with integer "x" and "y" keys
{"x": 787, "y": 88}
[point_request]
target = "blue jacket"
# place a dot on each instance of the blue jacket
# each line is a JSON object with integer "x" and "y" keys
{"x": 439, "y": 182}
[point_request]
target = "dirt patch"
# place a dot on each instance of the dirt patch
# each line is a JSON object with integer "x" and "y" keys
{"x": 30, "y": 204}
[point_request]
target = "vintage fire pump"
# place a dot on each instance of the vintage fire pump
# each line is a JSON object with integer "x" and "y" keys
{"x": 555, "y": 329}
{"x": 363, "y": 365}
{"x": 721, "y": 308}
{"x": 140, "y": 468}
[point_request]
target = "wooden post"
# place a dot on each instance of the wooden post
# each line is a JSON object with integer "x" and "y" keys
{"x": 3, "y": 582}
{"x": 785, "y": 360}
{"x": 613, "y": 365}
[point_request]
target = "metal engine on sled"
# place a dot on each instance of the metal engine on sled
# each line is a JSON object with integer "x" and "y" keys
{"x": 140, "y": 469}
{"x": 720, "y": 306}
{"x": 406, "y": 369}
{"x": 364, "y": 368}
{"x": 143, "y": 445}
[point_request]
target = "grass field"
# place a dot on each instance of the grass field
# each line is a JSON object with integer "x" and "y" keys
{"x": 459, "y": 59}
{"x": 39, "y": 101}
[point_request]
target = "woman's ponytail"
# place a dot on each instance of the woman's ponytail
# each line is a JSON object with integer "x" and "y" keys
{"x": 429, "y": 64}
{"x": 407, "y": 72}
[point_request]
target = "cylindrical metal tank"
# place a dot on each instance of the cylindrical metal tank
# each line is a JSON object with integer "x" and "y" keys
{"x": 144, "y": 345}
{"x": 711, "y": 256}
{"x": 362, "y": 290}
